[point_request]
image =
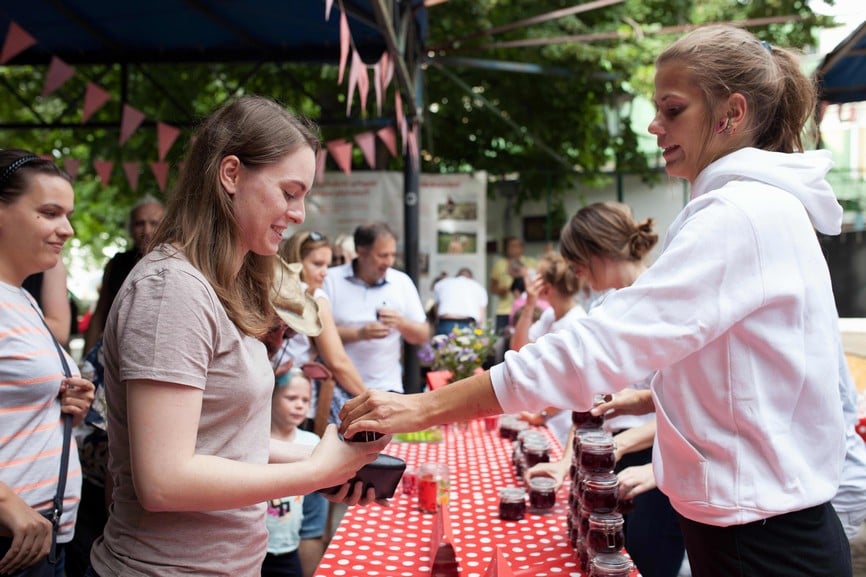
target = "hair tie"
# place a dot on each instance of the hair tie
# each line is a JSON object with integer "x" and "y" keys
{"x": 12, "y": 168}
{"x": 766, "y": 45}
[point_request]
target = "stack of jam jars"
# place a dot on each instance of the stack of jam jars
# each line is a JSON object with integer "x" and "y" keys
{"x": 595, "y": 524}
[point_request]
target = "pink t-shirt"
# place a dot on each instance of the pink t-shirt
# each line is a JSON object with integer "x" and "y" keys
{"x": 168, "y": 325}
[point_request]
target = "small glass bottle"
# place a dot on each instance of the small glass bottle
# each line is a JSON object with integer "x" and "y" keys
{"x": 512, "y": 503}
{"x": 610, "y": 565}
{"x": 605, "y": 533}
{"x": 542, "y": 494}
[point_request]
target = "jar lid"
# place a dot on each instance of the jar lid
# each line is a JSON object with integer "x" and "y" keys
{"x": 542, "y": 483}
{"x": 600, "y": 480}
{"x": 616, "y": 561}
{"x": 597, "y": 440}
{"x": 512, "y": 494}
{"x": 606, "y": 521}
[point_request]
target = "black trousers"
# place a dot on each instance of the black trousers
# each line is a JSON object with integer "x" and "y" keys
{"x": 807, "y": 543}
{"x": 652, "y": 530}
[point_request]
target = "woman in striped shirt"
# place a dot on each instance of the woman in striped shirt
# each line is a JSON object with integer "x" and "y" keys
{"x": 36, "y": 200}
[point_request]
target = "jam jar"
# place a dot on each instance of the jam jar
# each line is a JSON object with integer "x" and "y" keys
{"x": 605, "y": 533}
{"x": 542, "y": 493}
{"x": 610, "y": 565}
{"x": 512, "y": 503}
{"x": 597, "y": 452}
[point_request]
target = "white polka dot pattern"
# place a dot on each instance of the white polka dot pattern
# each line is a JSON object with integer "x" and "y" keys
{"x": 376, "y": 541}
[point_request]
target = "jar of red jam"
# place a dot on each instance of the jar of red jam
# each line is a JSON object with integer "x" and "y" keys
{"x": 599, "y": 492}
{"x": 542, "y": 493}
{"x": 510, "y": 426}
{"x": 605, "y": 533}
{"x": 610, "y": 565}
{"x": 535, "y": 451}
{"x": 512, "y": 503}
{"x": 586, "y": 420}
{"x": 597, "y": 452}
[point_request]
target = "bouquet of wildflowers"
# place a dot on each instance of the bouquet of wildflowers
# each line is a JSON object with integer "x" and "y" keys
{"x": 460, "y": 352}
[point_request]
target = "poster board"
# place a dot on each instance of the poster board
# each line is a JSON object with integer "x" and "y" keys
{"x": 452, "y": 216}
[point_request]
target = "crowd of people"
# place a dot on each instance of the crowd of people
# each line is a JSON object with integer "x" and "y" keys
{"x": 228, "y": 334}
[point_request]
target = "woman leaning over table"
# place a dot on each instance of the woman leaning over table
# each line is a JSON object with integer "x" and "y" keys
{"x": 188, "y": 382}
{"x": 36, "y": 199}
{"x": 737, "y": 316}
{"x": 610, "y": 251}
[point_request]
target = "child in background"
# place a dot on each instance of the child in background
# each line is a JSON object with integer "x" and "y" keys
{"x": 289, "y": 407}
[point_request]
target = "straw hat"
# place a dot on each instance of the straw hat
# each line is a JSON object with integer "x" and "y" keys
{"x": 292, "y": 304}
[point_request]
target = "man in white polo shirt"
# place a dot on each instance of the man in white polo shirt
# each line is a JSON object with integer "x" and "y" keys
{"x": 374, "y": 307}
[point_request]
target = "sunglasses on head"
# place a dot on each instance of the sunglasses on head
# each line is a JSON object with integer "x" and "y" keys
{"x": 316, "y": 236}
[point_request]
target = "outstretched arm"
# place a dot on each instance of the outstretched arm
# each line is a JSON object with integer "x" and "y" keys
{"x": 469, "y": 398}
{"x": 170, "y": 476}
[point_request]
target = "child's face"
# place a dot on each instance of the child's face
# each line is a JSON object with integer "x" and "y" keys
{"x": 291, "y": 403}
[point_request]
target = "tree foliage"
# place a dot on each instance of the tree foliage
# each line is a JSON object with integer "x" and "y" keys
{"x": 547, "y": 129}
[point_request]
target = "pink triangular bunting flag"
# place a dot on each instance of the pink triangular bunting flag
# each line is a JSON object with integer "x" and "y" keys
{"x": 71, "y": 165}
{"x": 401, "y": 120}
{"x": 377, "y": 85}
{"x": 413, "y": 146}
{"x": 166, "y": 134}
{"x": 354, "y": 73}
{"x": 58, "y": 73}
{"x": 345, "y": 37}
{"x": 341, "y": 152}
{"x": 387, "y": 70}
{"x": 321, "y": 158}
{"x": 499, "y": 565}
{"x": 103, "y": 170}
{"x": 367, "y": 143}
{"x": 94, "y": 99}
{"x": 160, "y": 171}
{"x": 17, "y": 41}
{"x": 358, "y": 77}
{"x": 328, "y": 5}
{"x": 363, "y": 82}
{"x": 130, "y": 120}
{"x": 388, "y": 136}
{"x": 131, "y": 170}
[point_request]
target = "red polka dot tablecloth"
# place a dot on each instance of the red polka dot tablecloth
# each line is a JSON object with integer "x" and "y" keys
{"x": 376, "y": 541}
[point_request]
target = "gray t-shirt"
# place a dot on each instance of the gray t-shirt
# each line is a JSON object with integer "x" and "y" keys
{"x": 167, "y": 324}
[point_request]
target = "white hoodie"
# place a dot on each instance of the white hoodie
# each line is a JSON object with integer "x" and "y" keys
{"x": 737, "y": 315}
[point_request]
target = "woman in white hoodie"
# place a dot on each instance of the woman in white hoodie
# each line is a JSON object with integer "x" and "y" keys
{"x": 737, "y": 316}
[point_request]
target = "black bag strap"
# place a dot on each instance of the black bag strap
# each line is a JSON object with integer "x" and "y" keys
{"x": 57, "y": 506}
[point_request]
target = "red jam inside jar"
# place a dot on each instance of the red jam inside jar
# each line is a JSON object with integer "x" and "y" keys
{"x": 512, "y": 503}
{"x": 605, "y": 533}
{"x": 586, "y": 420}
{"x": 599, "y": 492}
{"x": 597, "y": 452}
{"x": 536, "y": 451}
{"x": 542, "y": 493}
